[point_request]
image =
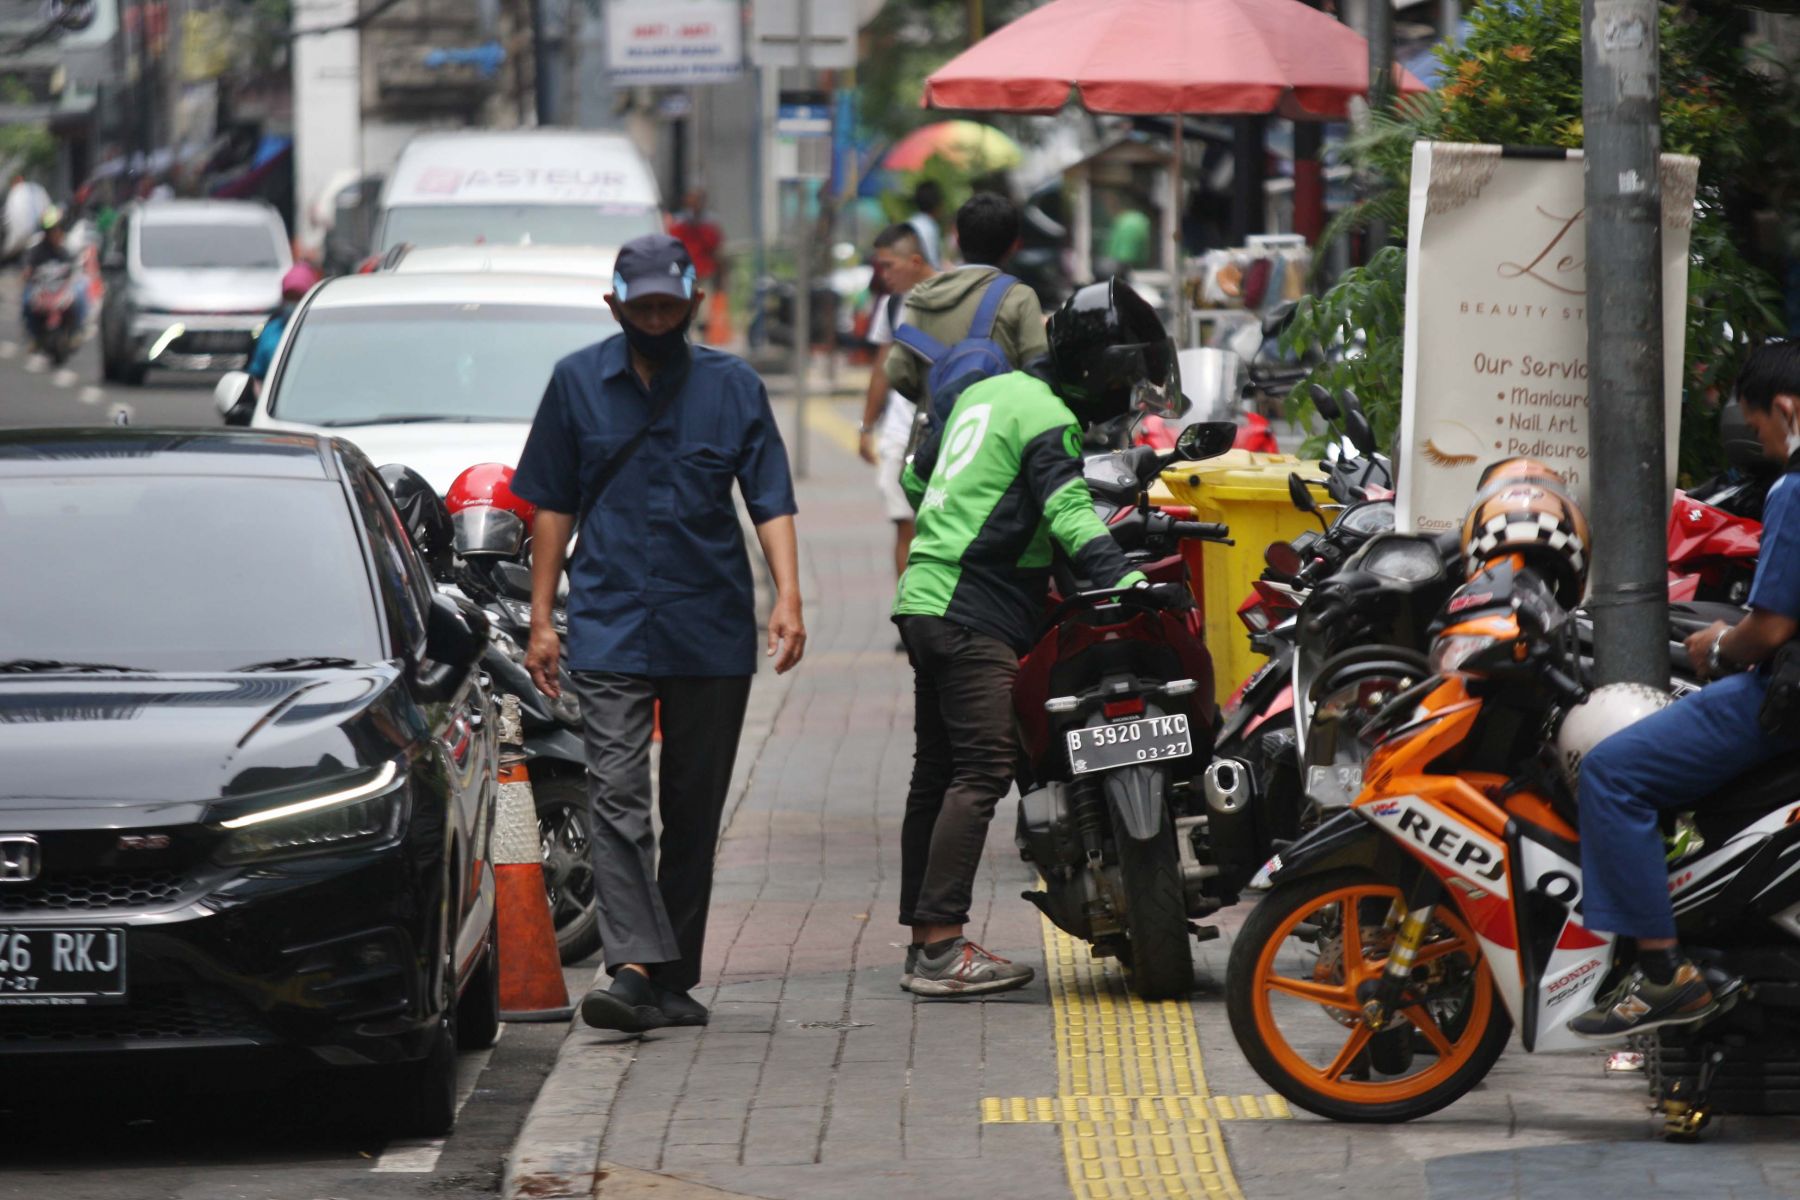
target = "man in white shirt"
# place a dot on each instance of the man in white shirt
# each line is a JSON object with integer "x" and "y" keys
{"x": 887, "y": 415}
{"x": 928, "y": 198}
{"x": 26, "y": 203}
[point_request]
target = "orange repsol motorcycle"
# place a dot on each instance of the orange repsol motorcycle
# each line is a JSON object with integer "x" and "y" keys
{"x": 1404, "y": 940}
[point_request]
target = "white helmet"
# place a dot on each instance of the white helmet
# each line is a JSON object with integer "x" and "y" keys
{"x": 1606, "y": 711}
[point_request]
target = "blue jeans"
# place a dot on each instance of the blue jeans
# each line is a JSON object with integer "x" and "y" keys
{"x": 1669, "y": 760}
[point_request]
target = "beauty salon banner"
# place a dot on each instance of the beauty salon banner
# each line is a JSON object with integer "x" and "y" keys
{"x": 1496, "y": 320}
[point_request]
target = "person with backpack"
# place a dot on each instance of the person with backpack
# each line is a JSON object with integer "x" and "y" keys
{"x": 638, "y": 442}
{"x": 887, "y": 422}
{"x": 970, "y": 322}
{"x": 995, "y": 487}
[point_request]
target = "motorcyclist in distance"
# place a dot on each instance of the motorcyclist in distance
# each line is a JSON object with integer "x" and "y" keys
{"x": 50, "y": 247}
{"x": 298, "y": 281}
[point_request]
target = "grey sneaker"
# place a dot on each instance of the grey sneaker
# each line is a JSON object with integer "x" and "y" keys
{"x": 912, "y": 962}
{"x": 1638, "y": 1004}
{"x": 965, "y": 969}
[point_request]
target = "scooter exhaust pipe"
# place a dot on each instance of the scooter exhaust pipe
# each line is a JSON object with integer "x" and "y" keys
{"x": 1228, "y": 785}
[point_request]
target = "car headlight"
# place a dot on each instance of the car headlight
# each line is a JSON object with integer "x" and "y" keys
{"x": 364, "y": 814}
{"x": 1450, "y": 653}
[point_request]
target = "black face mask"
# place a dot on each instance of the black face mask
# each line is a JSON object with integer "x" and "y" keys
{"x": 659, "y": 348}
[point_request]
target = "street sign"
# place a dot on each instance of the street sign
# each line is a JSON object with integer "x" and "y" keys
{"x": 775, "y": 34}
{"x": 676, "y": 42}
{"x": 803, "y": 114}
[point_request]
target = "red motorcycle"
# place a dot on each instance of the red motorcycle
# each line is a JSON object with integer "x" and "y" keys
{"x": 1712, "y": 553}
{"x": 1121, "y": 813}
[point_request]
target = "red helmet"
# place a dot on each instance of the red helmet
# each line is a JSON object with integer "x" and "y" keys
{"x": 299, "y": 280}
{"x": 487, "y": 516}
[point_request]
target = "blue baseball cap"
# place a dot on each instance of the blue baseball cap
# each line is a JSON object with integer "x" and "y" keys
{"x": 655, "y": 264}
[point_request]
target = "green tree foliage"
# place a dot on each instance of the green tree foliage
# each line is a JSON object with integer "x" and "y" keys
{"x": 27, "y": 148}
{"x": 1517, "y": 81}
{"x": 907, "y": 41}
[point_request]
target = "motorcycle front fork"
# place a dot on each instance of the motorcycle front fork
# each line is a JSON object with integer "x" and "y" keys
{"x": 1409, "y": 920}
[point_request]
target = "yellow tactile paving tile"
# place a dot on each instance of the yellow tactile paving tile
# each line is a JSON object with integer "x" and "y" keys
{"x": 1136, "y": 1117}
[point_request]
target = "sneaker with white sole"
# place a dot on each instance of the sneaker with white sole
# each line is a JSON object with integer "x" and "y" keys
{"x": 912, "y": 962}
{"x": 965, "y": 969}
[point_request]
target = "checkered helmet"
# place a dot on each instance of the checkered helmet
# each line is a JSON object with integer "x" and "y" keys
{"x": 1523, "y": 507}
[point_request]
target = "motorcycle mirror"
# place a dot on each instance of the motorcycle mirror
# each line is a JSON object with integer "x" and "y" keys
{"x": 1205, "y": 439}
{"x": 1279, "y": 318}
{"x": 1351, "y": 401}
{"x": 1324, "y": 403}
{"x": 1356, "y": 428}
{"x": 1282, "y": 558}
{"x": 1301, "y": 495}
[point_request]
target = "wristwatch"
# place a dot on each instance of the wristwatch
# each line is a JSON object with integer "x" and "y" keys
{"x": 864, "y": 430}
{"x": 1716, "y": 665}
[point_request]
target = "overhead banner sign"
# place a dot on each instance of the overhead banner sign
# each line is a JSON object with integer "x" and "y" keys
{"x": 1496, "y": 321}
{"x": 674, "y": 42}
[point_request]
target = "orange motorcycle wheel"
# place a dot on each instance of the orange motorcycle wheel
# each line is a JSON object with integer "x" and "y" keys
{"x": 1298, "y": 972}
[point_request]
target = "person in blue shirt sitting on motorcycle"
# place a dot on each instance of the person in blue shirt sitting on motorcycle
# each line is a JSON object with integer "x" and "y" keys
{"x": 295, "y": 284}
{"x": 1683, "y": 752}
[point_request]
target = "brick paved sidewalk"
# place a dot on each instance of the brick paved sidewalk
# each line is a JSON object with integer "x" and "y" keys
{"x": 818, "y": 1077}
{"x": 820, "y": 1080}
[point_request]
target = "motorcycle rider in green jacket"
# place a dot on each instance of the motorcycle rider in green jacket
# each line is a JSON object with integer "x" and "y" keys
{"x": 998, "y": 487}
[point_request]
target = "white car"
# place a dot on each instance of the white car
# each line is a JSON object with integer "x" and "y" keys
{"x": 436, "y": 371}
{"x": 588, "y": 262}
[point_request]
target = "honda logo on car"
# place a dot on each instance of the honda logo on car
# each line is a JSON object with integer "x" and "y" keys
{"x": 1450, "y": 842}
{"x": 20, "y": 858}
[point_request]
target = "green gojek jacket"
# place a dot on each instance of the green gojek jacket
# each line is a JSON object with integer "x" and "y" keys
{"x": 993, "y": 489}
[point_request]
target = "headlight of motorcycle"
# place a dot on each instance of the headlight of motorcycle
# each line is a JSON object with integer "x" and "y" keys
{"x": 1450, "y": 653}
{"x": 1404, "y": 560}
{"x": 364, "y": 814}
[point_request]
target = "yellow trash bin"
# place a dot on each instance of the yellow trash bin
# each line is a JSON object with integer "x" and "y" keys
{"x": 1249, "y": 492}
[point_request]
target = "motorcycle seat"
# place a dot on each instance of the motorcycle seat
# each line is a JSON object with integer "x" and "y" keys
{"x": 1748, "y": 798}
{"x": 1694, "y": 615}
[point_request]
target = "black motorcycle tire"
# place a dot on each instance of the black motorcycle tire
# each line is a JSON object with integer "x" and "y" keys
{"x": 560, "y": 794}
{"x": 1159, "y": 956}
{"x": 1241, "y": 982}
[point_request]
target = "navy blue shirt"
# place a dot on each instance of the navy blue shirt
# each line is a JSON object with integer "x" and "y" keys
{"x": 1776, "y": 586}
{"x": 660, "y": 581}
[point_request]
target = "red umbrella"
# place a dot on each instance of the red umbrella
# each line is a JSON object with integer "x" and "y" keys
{"x": 1164, "y": 56}
{"x": 1138, "y": 57}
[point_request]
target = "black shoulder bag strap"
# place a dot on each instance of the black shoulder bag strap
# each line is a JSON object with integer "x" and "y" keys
{"x": 620, "y": 457}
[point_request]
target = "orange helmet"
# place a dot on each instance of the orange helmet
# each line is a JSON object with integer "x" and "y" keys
{"x": 1523, "y": 507}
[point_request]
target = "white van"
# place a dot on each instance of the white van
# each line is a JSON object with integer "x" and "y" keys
{"x": 518, "y": 187}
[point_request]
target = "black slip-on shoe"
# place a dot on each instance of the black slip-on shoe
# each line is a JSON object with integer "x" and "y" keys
{"x": 681, "y": 1008}
{"x": 628, "y": 1006}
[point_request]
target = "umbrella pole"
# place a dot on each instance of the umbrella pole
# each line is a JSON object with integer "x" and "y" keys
{"x": 1172, "y": 237}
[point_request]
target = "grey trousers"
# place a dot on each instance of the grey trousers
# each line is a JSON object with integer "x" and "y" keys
{"x": 654, "y": 911}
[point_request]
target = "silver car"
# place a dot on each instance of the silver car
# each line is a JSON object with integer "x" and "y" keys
{"x": 189, "y": 285}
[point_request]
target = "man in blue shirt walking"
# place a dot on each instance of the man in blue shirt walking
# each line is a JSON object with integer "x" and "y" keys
{"x": 638, "y": 441}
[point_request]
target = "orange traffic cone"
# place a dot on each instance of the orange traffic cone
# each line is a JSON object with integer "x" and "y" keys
{"x": 531, "y": 978}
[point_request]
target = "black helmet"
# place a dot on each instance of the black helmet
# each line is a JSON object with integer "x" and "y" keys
{"x": 1107, "y": 345}
{"x": 1738, "y": 440}
{"x": 423, "y": 513}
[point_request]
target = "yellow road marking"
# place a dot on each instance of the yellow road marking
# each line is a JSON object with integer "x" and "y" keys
{"x": 822, "y": 417}
{"x": 1136, "y": 1116}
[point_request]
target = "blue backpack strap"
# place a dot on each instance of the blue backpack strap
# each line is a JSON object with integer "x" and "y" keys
{"x": 922, "y": 344}
{"x": 983, "y": 324}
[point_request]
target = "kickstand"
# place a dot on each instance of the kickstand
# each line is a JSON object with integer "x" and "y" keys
{"x": 1687, "y": 1112}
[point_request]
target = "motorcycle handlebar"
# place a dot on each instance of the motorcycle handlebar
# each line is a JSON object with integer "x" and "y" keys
{"x": 1211, "y": 531}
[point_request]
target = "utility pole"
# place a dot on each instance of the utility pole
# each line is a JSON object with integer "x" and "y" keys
{"x": 1623, "y": 134}
{"x": 544, "y": 93}
{"x": 802, "y": 269}
{"x": 1381, "y": 83}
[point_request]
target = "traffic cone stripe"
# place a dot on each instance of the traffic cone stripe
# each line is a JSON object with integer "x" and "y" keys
{"x": 531, "y": 978}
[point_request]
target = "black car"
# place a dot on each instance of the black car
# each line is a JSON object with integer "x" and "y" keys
{"x": 249, "y": 770}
